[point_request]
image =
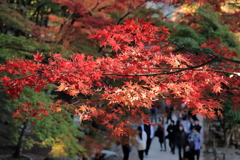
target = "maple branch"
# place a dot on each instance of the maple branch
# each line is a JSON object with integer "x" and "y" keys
{"x": 99, "y": 2}
{"x": 167, "y": 98}
{"x": 105, "y": 7}
{"x": 163, "y": 73}
{"x": 61, "y": 27}
{"x": 221, "y": 96}
{"x": 218, "y": 56}
{"x": 212, "y": 70}
{"x": 100, "y": 49}
{"x": 129, "y": 12}
{"x": 124, "y": 16}
{"x": 228, "y": 59}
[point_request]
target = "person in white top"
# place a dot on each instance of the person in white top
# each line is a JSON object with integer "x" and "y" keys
{"x": 141, "y": 139}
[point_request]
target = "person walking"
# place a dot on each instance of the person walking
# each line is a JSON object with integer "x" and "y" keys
{"x": 169, "y": 110}
{"x": 189, "y": 125}
{"x": 171, "y": 129}
{"x": 141, "y": 139}
{"x": 126, "y": 148}
{"x": 150, "y": 134}
{"x": 161, "y": 134}
{"x": 195, "y": 143}
{"x": 154, "y": 112}
{"x": 197, "y": 125}
{"x": 181, "y": 141}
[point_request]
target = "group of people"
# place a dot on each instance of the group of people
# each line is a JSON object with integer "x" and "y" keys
{"x": 144, "y": 136}
{"x": 185, "y": 135}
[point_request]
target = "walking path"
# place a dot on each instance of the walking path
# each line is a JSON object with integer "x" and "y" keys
{"x": 156, "y": 154}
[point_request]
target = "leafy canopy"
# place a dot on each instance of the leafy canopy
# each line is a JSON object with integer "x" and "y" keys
{"x": 148, "y": 65}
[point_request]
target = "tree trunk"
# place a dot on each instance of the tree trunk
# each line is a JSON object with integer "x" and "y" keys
{"x": 19, "y": 148}
{"x": 227, "y": 136}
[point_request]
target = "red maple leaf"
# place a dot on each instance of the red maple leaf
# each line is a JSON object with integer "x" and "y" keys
{"x": 38, "y": 57}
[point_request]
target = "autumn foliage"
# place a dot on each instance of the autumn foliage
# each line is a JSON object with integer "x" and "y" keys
{"x": 144, "y": 61}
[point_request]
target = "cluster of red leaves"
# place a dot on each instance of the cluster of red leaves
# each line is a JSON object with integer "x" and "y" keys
{"x": 84, "y": 17}
{"x": 129, "y": 36}
{"x": 37, "y": 111}
{"x": 231, "y": 68}
{"x": 76, "y": 75}
{"x": 147, "y": 64}
{"x": 220, "y": 49}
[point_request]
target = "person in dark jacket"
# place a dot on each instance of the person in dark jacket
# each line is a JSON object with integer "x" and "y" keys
{"x": 154, "y": 112}
{"x": 160, "y": 133}
{"x": 125, "y": 147}
{"x": 171, "y": 129}
{"x": 169, "y": 109}
{"x": 177, "y": 125}
{"x": 181, "y": 141}
{"x": 197, "y": 126}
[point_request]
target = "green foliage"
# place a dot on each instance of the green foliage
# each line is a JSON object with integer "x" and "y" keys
{"x": 52, "y": 129}
{"x": 10, "y": 17}
{"x": 231, "y": 116}
{"x": 57, "y": 129}
{"x": 11, "y": 46}
{"x": 16, "y": 30}
{"x": 211, "y": 27}
{"x": 16, "y": 42}
{"x": 9, "y": 127}
{"x": 10, "y": 106}
{"x": 206, "y": 26}
{"x": 21, "y": 47}
{"x": 82, "y": 45}
{"x": 186, "y": 36}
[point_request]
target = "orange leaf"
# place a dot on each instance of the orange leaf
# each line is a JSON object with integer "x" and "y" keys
{"x": 62, "y": 87}
{"x": 217, "y": 88}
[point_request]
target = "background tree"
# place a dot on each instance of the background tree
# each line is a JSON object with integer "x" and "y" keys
{"x": 229, "y": 121}
{"x": 54, "y": 129}
{"x": 197, "y": 27}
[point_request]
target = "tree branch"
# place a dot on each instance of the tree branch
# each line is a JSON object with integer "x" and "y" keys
{"x": 129, "y": 12}
{"x": 218, "y": 56}
{"x": 165, "y": 73}
{"x": 168, "y": 98}
{"x": 99, "y": 2}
